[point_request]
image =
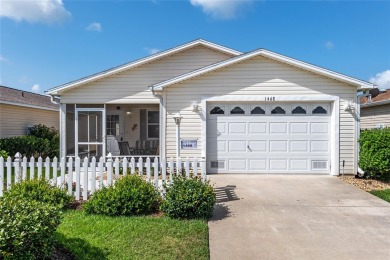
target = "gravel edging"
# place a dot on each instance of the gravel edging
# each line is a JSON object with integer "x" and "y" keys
{"x": 366, "y": 184}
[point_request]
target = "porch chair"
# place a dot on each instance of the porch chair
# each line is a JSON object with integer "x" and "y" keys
{"x": 125, "y": 149}
{"x": 112, "y": 145}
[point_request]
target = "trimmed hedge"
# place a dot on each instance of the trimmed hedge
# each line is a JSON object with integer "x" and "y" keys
{"x": 40, "y": 190}
{"x": 43, "y": 141}
{"x": 189, "y": 198}
{"x": 375, "y": 153}
{"x": 129, "y": 196}
{"x": 27, "y": 228}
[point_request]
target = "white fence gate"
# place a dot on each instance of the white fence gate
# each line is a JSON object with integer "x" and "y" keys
{"x": 81, "y": 177}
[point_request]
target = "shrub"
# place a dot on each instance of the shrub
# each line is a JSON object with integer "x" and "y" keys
{"x": 129, "y": 195}
{"x": 189, "y": 198}
{"x": 27, "y": 228}
{"x": 375, "y": 153}
{"x": 42, "y": 141}
{"x": 3, "y": 154}
{"x": 40, "y": 190}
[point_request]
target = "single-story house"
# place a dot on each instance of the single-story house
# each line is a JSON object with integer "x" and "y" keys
{"x": 253, "y": 112}
{"x": 21, "y": 109}
{"x": 375, "y": 110}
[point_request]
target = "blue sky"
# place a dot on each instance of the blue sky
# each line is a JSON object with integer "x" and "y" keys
{"x": 45, "y": 43}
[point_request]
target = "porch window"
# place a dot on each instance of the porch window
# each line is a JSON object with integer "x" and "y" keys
{"x": 153, "y": 124}
{"x": 113, "y": 125}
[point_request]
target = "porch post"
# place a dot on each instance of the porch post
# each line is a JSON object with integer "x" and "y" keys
{"x": 62, "y": 130}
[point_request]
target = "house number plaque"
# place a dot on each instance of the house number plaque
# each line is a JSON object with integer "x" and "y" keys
{"x": 188, "y": 144}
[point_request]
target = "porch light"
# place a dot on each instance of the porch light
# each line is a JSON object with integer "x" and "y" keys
{"x": 128, "y": 113}
{"x": 177, "y": 117}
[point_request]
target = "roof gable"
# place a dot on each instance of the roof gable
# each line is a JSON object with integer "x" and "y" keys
{"x": 271, "y": 55}
{"x": 151, "y": 58}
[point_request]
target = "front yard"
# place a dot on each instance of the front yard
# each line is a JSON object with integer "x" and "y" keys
{"x": 150, "y": 237}
{"x": 379, "y": 188}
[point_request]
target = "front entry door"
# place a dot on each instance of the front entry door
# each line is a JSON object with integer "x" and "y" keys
{"x": 90, "y": 132}
{"x": 114, "y": 124}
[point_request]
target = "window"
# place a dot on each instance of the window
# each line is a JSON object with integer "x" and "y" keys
{"x": 237, "y": 111}
{"x": 257, "y": 111}
{"x": 113, "y": 125}
{"x": 278, "y": 110}
{"x": 153, "y": 124}
{"x": 217, "y": 111}
{"x": 298, "y": 110}
{"x": 319, "y": 110}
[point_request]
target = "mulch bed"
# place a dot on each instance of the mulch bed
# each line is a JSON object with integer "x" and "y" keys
{"x": 366, "y": 184}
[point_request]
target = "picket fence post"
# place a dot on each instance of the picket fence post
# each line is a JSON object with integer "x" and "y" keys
{"x": 1, "y": 175}
{"x": 17, "y": 164}
{"x": 109, "y": 169}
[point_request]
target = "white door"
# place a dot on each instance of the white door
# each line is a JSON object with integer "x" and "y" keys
{"x": 268, "y": 138}
{"x": 115, "y": 124}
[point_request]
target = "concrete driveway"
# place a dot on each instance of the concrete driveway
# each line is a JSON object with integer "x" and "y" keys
{"x": 296, "y": 217}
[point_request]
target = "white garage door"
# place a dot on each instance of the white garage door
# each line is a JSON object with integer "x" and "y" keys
{"x": 268, "y": 138}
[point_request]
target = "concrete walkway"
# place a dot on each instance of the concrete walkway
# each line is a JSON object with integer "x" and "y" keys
{"x": 296, "y": 217}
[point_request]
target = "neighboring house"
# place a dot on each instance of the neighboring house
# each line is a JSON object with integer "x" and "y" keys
{"x": 258, "y": 112}
{"x": 375, "y": 111}
{"x": 20, "y": 110}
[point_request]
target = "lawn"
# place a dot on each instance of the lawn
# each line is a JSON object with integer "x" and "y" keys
{"x": 150, "y": 237}
{"x": 383, "y": 194}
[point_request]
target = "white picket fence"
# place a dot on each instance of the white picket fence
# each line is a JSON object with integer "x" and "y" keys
{"x": 82, "y": 177}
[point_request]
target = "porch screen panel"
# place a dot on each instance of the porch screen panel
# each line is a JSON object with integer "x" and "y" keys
{"x": 89, "y": 126}
{"x": 142, "y": 114}
{"x": 70, "y": 133}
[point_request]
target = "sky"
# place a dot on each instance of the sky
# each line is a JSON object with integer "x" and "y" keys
{"x": 46, "y": 43}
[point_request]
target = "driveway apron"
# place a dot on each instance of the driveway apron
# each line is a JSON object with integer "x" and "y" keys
{"x": 296, "y": 217}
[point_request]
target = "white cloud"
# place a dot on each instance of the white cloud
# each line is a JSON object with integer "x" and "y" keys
{"x": 381, "y": 79}
{"x": 34, "y": 11}
{"x": 3, "y": 59}
{"x": 221, "y": 9}
{"x": 94, "y": 27}
{"x": 152, "y": 51}
{"x": 35, "y": 88}
{"x": 329, "y": 45}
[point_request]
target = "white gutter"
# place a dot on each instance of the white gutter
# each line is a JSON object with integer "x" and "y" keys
{"x": 30, "y": 106}
{"x": 366, "y": 93}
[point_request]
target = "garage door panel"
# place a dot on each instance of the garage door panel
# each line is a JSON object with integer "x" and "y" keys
{"x": 237, "y": 164}
{"x": 257, "y": 164}
{"x": 299, "y": 165}
{"x": 237, "y": 128}
{"x": 278, "y": 146}
{"x": 319, "y": 146}
{"x": 299, "y": 146}
{"x": 237, "y": 146}
{"x": 257, "y": 128}
{"x": 278, "y": 165}
{"x": 258, "y": 146}
{"x": 299, "y": 128}
{"x": 319, "y": 128}
{"x": 278, "y": 128}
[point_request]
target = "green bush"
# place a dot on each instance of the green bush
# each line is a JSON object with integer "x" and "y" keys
{"x": 27, "y": 228}
{"x": 43, "y": 141}
{"x": 4, "y": 154}
{"x": 129, "y": 195}
{"x": 40, "y": 190}
{"x": 375, "y": 153}
{"x": 189, "y": 198}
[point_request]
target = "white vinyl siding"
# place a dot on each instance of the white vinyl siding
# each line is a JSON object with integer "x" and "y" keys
{"x": 14, "y": 120}
{"x": 373, "y": 116}
{"x": 132, "y": 86}
{"x": 257, "y": 76}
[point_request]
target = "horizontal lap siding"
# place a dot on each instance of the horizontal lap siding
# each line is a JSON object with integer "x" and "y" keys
{"x": 14, "y": 120}
{"x": 258, "y": 76}
{"x": 372, "y": 116}
{"x": 132, "y": 86}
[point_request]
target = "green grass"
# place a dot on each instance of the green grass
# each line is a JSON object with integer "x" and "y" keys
{"x": 102, "y": 237}
{"x": 383, "y": 194}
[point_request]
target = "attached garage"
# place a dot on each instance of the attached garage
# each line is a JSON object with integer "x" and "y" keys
{"x": 268, "y": 138}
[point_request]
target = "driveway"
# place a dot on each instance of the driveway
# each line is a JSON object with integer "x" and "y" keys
{"x": 296, "y": 217}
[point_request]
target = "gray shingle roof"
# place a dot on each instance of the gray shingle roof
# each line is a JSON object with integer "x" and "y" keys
{"x": 25, "y": 98}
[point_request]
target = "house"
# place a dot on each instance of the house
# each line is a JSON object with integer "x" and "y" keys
{"x": 254, "y": 112}
{"x": 20, "y": 110}
{"x": 375, "y": 110}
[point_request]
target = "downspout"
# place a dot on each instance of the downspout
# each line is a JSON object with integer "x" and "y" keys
{"x": 161, "y": 119}
{"x": 360, "y": 172}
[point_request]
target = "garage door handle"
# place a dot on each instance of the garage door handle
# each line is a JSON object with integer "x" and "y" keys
{"x": 250, "y": 150}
